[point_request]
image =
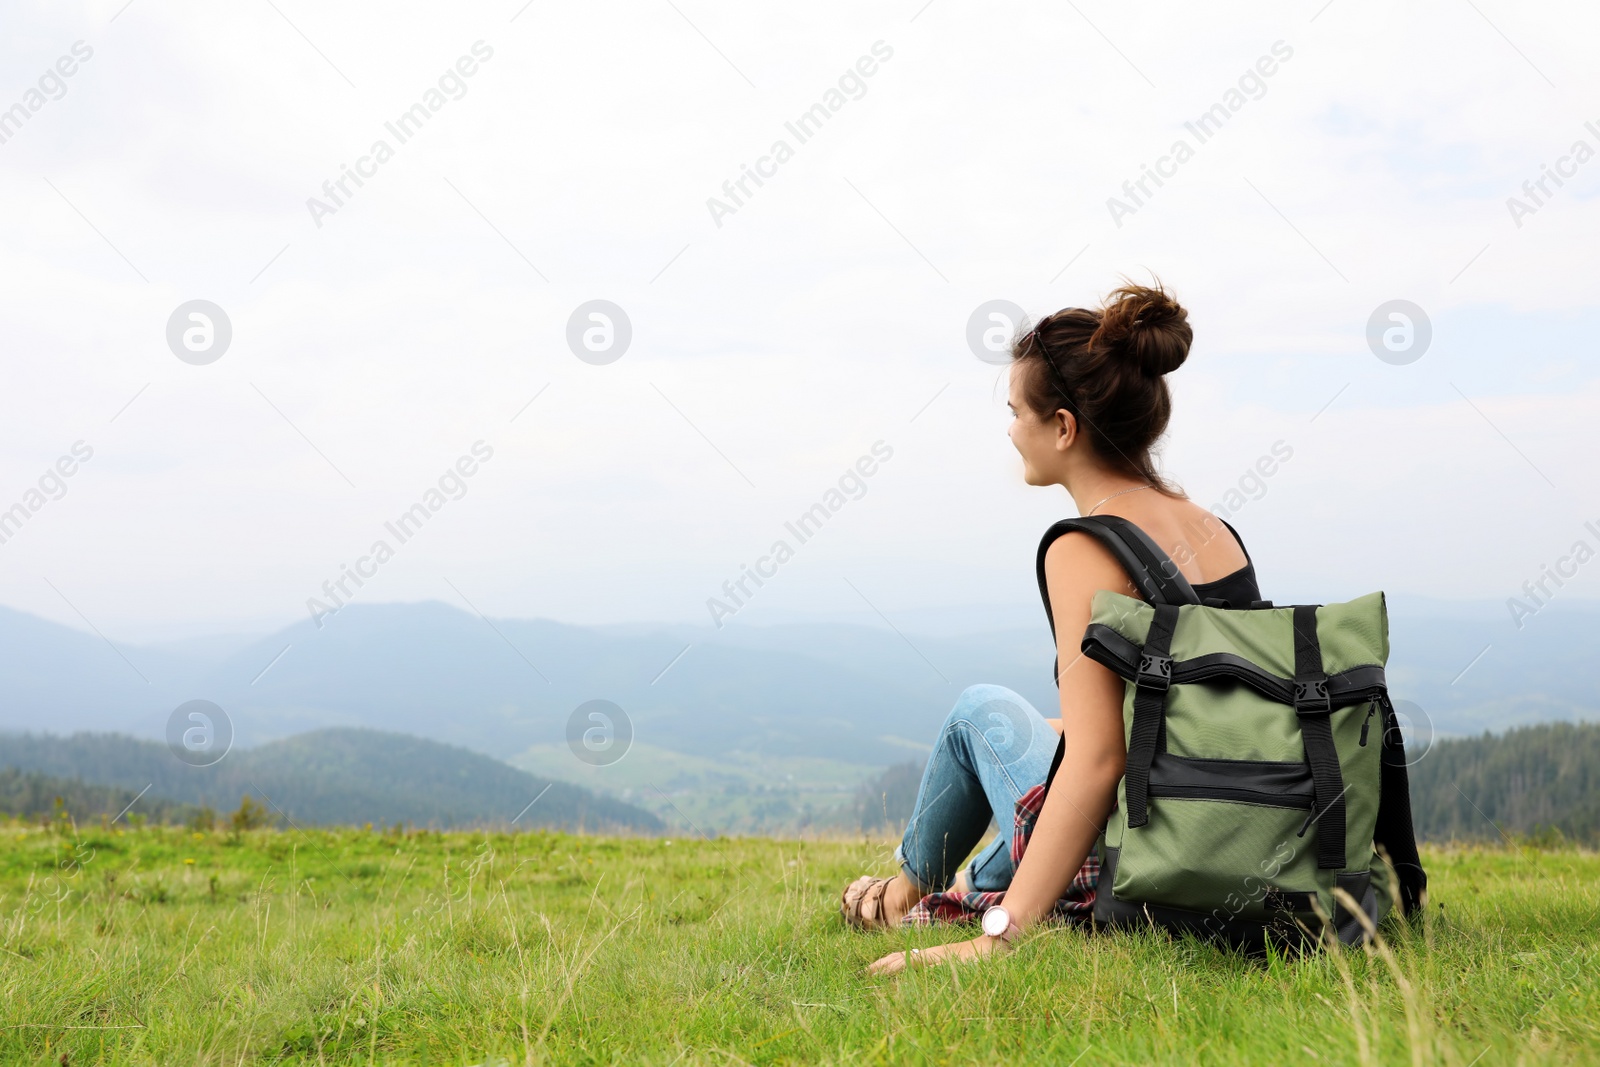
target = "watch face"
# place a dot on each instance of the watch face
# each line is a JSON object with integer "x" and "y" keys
{"x": 996, "y": 921}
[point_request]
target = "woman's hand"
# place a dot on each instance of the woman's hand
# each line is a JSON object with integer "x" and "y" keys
{"x": 896, "y": 962}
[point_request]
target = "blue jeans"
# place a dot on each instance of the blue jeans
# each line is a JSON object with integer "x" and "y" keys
{"x": 993, "y": 748}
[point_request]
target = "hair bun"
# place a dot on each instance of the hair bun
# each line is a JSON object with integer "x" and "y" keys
{"x": 1146, "y": 326}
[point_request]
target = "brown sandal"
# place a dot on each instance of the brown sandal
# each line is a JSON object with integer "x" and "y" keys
{"x": 861, "y": 904}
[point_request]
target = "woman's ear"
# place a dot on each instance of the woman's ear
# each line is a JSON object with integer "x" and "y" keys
{"x": 1066, "y": 429}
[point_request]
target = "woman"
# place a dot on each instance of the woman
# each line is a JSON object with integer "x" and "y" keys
{"x": 1089, "y": 400}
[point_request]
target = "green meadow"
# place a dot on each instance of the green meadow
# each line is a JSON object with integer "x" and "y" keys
{"x": 162, "y": 945}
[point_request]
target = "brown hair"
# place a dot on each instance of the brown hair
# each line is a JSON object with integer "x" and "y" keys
{"x": 1107, "y": 367}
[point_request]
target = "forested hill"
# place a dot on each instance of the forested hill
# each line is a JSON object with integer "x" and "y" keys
{"x": 1523, "y": 782}
{"x": 34, "y": 795}
{"x": 337, "y": 776}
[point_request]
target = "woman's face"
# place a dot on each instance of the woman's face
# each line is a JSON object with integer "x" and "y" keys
{"x": 1037, "y": 440}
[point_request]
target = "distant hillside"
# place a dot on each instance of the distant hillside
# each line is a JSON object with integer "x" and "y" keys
{"x": 334, "y": 776}
{"x": 1524, "y": 781}
{"x": 886, "y": 802}
{"x": 33, "y": 795}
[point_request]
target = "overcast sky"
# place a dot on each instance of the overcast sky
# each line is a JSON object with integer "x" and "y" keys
{"x": 775, "y": 338}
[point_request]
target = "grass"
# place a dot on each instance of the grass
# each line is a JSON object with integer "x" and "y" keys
{"x": 162, "y": 946}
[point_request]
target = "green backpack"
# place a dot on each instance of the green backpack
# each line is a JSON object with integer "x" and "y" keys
{"x": 1255, "y": 784}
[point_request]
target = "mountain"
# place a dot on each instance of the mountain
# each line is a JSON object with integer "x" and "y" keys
{"x": 863, "y": 695}
{"x": 1472, "y": 669}
{"x": 433, "y": 671}
{"x": 334, "y": 776}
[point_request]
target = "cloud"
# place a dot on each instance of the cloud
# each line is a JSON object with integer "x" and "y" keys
{"x": 977, "y": 167}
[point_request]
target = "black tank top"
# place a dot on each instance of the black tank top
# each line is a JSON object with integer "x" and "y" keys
{"x": 1236, "y": 590}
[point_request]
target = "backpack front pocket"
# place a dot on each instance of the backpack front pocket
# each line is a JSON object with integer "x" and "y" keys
{"x": 1228, "y": 837}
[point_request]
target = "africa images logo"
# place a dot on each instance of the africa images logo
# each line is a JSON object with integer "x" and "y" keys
{"x": 802, "y": 129}
{"x": 1251, "y": 85}
{"x": 406, "y": 125}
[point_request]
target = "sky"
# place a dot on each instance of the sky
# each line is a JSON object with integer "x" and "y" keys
{"x": 563, "y": 154}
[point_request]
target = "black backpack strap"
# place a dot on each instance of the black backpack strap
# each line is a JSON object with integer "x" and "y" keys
{"x": 1150, "y": 570}
{"x": 1152, "y": 573}
{"x": 1315, "y": 711}
{"x": 1394, "y": 832}
{"x": 1149, "y": 707}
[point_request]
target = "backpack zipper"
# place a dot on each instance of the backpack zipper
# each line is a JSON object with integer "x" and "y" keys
{"x": 1236, "y": 794}
{"x": 1310, "y": 816}
{"x": 1379, "y": 697}
{"x": 1371, "y": 710}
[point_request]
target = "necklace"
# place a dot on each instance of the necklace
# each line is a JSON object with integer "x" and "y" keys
{"x": 1135, "y": 489}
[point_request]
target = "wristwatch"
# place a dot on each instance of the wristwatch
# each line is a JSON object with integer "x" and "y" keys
{"x": 997, "y": 923}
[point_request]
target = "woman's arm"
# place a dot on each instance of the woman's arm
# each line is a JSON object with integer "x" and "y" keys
{"x": 1080, "y": 797}
{"x": 1076, "y": 567}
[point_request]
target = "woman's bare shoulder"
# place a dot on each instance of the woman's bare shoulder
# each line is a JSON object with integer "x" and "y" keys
{"x": 1076, "y": 566}
{"x": 1202, "y": 545}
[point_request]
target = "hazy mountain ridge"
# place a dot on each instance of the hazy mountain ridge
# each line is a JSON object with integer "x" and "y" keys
{"x": 820, "y": 690}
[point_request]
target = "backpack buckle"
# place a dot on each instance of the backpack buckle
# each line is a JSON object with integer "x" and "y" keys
{"x": 1311, "y": 698}
{"x": 1155, "y": 672}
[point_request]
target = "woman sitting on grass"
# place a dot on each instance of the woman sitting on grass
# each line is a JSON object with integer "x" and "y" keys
{"x": 1088, "y": 400}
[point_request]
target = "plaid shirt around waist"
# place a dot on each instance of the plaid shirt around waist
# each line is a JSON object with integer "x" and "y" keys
{"x": 1076, "y": 905}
